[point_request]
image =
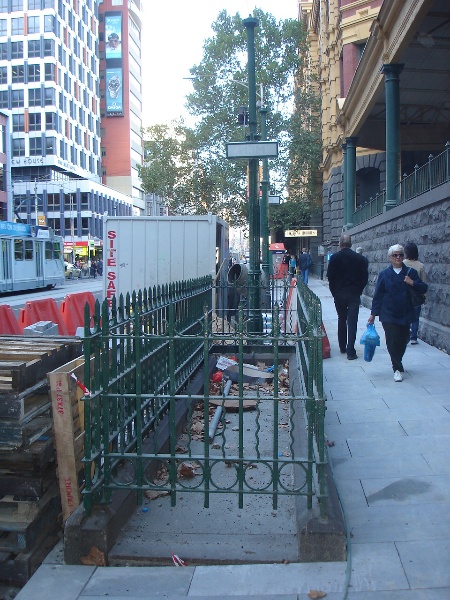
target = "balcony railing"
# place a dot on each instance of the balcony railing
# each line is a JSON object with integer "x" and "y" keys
{"x": 434, "y": 173}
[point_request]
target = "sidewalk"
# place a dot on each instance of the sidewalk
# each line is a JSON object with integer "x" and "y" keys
{"x": 389, "y": 454}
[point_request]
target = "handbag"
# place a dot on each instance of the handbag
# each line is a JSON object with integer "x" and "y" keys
{"x": 417, "y": 298}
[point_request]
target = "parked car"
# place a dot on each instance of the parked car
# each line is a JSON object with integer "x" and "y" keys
{"x": 71, "y": 271}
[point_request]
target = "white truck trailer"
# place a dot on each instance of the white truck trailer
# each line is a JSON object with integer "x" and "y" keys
{"x": 141, "y": 252}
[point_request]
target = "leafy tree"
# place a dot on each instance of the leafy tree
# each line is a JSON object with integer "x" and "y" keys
{"x": 188, "y": 165}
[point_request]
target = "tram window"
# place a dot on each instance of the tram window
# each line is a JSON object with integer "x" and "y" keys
{"x": 28, "y": 249}
{"x": 56, "y": 250}
{"x": 18, "y": 249}
{"x": 48, "y": 250}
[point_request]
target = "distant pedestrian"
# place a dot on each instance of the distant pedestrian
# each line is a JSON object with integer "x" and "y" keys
{"x": 392, "y": 304}
{"x": 304, "y": 264}
{"x": 347, "y": 276}
{"x": 93, "y": 269}
{"x": 292, "y": 266}
{"x": 412, "y": 260}
{"x": 360, "y": 250}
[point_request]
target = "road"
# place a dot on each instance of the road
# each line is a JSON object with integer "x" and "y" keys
{"x": 17, "y": 299}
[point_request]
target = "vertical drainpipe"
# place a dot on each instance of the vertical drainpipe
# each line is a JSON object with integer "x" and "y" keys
{"x": 392, "y": 92}
{"x": 344, "y": 177}
{"x": 350, "y": 173}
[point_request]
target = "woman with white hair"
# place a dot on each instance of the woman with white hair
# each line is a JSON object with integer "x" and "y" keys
{"x": 392, "y": 305}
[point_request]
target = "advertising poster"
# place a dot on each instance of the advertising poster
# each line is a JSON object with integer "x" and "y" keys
{"x": 113, "y": 36}
{"x": 114, "y": 92}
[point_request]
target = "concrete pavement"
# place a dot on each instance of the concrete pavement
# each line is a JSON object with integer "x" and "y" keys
{"x": 388, "y": 447}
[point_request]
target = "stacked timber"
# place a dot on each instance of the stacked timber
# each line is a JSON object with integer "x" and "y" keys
{"x": 30, "y": 503}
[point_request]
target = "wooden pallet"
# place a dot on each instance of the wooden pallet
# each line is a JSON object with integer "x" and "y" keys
{"x": 24, "y": 361}
{"x": 18, "y": 535}
{"x": 17, "y": 568}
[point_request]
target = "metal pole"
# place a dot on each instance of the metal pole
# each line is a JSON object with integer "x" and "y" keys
{"x": 255, "y": 321}
{"x": 264, "y": 202}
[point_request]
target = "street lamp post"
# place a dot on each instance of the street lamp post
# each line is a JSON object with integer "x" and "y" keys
{"x": 264, "y": 207}
{"x": 254, "y": 277}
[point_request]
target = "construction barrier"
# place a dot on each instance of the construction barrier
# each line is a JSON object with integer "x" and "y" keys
{"x": 41, "y": 310}
{"x": 326, "y": 348}
{"x": 72, "y": 310}
{"x": 8, "y": 321}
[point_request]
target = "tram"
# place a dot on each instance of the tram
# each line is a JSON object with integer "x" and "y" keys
{"x": 31, "y": 257}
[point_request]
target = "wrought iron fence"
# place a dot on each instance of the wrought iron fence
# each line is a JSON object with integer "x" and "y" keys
{"x": 146, "y": 422}
{"x": 434, "y": 173}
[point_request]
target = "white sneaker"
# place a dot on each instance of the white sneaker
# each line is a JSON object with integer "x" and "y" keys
{"x": 414, "y": 342}
{"x": 398, "y": 376}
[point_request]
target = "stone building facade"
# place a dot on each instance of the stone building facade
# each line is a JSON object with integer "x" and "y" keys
{"x": 384, "y": 80}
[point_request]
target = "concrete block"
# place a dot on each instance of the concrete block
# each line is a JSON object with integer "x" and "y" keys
{"x": 41, "y": 328}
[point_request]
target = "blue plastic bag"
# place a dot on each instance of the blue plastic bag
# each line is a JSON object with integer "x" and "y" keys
{"x": 370, "y": 339}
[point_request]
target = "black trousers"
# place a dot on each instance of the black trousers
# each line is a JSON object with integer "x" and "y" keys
{"x": 347, "y": 308}
{"x": 397, "y": 338}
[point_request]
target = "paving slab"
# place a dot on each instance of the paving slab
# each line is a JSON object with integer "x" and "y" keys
{"x": 244, "y": 580}
{"x": 408, "y": 522}
{"x": 136, "y": 581}
{"x": 426, "y": 563}
{"x": 57, "y": 581}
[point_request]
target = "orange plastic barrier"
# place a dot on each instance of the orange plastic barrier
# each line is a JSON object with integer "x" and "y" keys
{"x": 41, "y": 310}
{"x": 326, "y": 348}
{"x": 8, "y": 321}
{"x": 72, "y": 310}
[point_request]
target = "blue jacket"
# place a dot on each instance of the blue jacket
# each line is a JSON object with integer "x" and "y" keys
{"x": 391, "y": 300}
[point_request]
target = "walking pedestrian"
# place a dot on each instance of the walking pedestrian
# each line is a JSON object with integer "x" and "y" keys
{"x": 347, "y": 276}
{"x": 304, "y": 264}
{"x": 412, "y": 260}
{"x": 392, "y": 305}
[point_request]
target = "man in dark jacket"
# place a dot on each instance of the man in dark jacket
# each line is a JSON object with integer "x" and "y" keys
{"x": 347, "y": 276}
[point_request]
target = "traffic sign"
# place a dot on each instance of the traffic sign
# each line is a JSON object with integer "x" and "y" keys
{"x": 300, "y": 233}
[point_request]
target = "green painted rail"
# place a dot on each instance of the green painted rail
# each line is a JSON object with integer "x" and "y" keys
{"x": 146, "y": 422}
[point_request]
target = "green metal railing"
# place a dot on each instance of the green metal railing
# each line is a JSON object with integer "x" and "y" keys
{"x": 434, "y": 173}
{"x": 146, "y": 422}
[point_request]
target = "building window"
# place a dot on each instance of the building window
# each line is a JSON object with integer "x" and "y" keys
{"x": 49, "y": 72}
{"x": 34, "y": 4}
{"x": 18, "y": 74}
{"x": 50, "y": 97}
{"x": 19, "y": 147}
{"x": 3, "y": 75}
{"x": 4, "y": 99}
{"x": 3, "y": 51}
{"x": 34, "y": 97}
{"x": 17, "y": 26}
{"x": 16, "y": 5}
{"x": 33, "y": 25}
{"x": 50, "y": 121}
{"x": 3, "y": 26}
{"x": 50, "y": 146}
{"x": 17, "y": 98}
{"x": 18, "y": 122}
{"x": 16, "y": 49}
{"x": 34, "y": 49}
{"x": 49, "y": 48}
{"x": 34, "y": 121}
{"x": 35, "y": 146}
{"x": 34, "y": 73}
{"x": 50, "y": 24}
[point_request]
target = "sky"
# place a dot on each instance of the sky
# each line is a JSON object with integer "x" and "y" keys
{"x": 173, "y": 33}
